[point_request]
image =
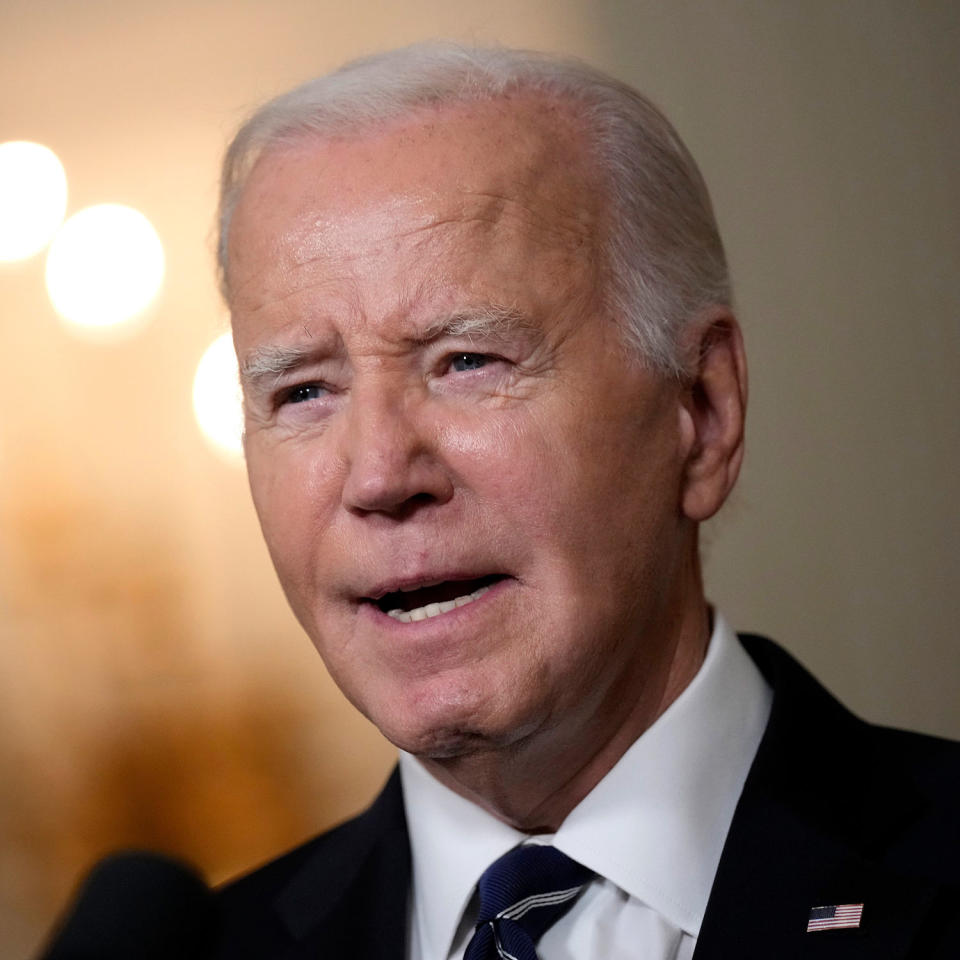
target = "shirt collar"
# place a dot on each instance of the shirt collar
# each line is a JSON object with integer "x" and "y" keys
{"x": 654, "y": 826}
{"x": 452, "y": 841}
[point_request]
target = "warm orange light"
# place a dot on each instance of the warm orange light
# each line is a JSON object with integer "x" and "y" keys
{"x": 104, "y": 267}
{"x": 217, "y": 403}
{"x": 33, "y": 198}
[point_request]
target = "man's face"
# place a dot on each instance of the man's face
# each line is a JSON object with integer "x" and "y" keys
{"x": 469, "y": 491}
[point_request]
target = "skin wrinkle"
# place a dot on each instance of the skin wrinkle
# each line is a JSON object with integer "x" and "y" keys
{"x": 251, "y": 362}
{"x": 574, "y": 223}
{"x": 548, "y": 229}
{"x": 564, "y": 116}
{"x": 565, "y": 470}
{"x": 271, "y": 364}
{"x": 237, "y": 301}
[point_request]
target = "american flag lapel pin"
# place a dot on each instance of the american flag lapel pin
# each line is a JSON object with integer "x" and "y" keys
{"x": 839, "y": 916}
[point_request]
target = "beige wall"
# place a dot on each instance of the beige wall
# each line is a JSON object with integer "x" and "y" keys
{"x": 153, "y": 687}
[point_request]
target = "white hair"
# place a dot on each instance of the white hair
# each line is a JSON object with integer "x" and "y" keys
{"x": 663, "y": 255}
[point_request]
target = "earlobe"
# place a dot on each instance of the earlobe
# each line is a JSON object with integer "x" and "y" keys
{"x": 713, "y": 410}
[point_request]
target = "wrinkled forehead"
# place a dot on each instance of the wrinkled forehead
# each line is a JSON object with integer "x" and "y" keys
{"x": 526, "y": 155}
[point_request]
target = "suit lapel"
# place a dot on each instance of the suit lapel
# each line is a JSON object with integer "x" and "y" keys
{"x": 350, "y": 900}
{"x": 819, "y": 823}
{"x": 810, "y": 830}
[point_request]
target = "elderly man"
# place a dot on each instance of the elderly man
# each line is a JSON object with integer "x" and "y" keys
{"x": 493, "y": 383}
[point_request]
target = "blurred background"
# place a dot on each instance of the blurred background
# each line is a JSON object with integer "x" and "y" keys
{"x": 154, "y": 689}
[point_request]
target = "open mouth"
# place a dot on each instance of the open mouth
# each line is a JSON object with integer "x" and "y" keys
{"x": 423, "y": 603}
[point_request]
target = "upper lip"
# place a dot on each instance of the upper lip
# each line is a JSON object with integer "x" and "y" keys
{"x": 419, "y": 582}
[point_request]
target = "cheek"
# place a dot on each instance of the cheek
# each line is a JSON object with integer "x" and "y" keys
{"x": 293, "y": 491}
{"x": 553, "y": 469}
{"x": 594, "y": 493}
{"x": 506, "y": 465}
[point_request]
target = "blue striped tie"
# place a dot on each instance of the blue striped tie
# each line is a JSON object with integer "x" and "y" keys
{"x": 521, "y": 895}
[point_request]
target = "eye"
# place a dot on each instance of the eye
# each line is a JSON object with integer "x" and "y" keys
{"x": 304, "y": 392}
{"x": 464, "y": 362}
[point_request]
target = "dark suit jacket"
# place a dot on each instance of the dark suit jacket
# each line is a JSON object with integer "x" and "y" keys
{"x": 834, "y": 811}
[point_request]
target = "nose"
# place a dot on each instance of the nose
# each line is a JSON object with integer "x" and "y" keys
{"x": 393, "y": 466}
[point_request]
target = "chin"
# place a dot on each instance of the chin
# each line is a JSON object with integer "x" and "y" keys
{"x": 456, "y": 713}
{"x": 453, "y": 733}
{"x": 437, "y": 740}
{"x": 448, "y": 744}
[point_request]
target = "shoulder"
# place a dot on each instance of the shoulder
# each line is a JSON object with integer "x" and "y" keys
{"x": 836, "y": 810}
{"x": 799, "y": 697}
{"x": 265, "y": 881}
{"x": 283, "y": 899}
{"x": 912, "y": 780}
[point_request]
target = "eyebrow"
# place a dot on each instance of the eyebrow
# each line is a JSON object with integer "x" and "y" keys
{"x": 273, "y": 361}
{"x": 490, "y": 320}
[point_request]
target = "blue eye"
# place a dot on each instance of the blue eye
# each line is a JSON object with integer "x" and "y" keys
{"x": 462, "y": 362}
{"x": 305, "y": 392}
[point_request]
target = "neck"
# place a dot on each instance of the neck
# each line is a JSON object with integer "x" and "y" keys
{"x": 535, "y": 783}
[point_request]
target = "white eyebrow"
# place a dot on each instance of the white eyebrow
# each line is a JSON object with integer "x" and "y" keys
{"x": 490, "y": 320}
{"x": 273, "y": 361}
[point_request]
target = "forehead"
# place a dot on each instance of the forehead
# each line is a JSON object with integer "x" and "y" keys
{"x": 517, "y": 167}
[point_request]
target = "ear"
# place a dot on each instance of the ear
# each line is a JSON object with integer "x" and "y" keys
{"x": 712, "y": 411}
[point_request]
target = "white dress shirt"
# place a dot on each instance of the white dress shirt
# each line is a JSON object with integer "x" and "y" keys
{"x": 652, "y": 830}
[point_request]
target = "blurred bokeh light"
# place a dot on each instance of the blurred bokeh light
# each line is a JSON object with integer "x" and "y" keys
{"x": 156, "y": 690}
{"x": 105, "y": 266}
{"x": 217, "y": 402}
{"x": 33, "y": 198}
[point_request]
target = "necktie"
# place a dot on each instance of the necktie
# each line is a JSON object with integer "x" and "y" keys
{"x": 521, "y": 895}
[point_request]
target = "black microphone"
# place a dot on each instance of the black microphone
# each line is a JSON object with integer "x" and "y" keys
{"x": 137, "y": 906}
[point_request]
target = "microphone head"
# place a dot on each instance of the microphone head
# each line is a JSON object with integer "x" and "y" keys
{"x": 137, "y": 905}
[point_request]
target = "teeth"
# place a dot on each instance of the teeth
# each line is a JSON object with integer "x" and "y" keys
{"x": 435, "y": 609}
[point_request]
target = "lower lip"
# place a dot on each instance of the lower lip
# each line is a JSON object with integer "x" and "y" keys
{"x": 449, "y": 618}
